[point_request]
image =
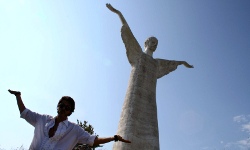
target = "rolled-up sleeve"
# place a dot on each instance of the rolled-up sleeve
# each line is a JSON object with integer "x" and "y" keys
{"x": 23, "y": 114}
{"x": 85, "y": 138}
{"x": 30, "y": 117}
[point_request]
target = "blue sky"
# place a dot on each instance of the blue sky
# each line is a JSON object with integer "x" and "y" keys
{"x": 61, "y": 47}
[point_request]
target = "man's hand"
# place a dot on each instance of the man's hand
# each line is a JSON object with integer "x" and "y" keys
{"x": 111, "y": 8}
{"x": 19, "y": 100}
{"x": 116, "y": 138}
{"x": 14, "y": 92}
{"x": 122, "y": 140}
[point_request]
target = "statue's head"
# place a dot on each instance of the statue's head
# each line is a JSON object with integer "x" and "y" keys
{"x": 151, "y": 43}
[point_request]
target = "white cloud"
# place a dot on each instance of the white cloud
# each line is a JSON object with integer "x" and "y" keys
{"x": 239, "y": 145}
{"x": 240, "y": 118}
{"x": 244, "y": 143}
{"x": 246, "y": 127}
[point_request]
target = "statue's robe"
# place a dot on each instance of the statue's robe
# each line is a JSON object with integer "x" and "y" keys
{"x": 138, "y": 121}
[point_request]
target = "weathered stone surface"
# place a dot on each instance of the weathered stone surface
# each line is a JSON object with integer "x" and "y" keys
{"x": 138, "y": 121}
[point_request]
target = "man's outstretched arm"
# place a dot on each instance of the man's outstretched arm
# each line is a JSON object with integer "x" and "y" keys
{"x": 109, "y": 139}
{"x": 19, "y": 100}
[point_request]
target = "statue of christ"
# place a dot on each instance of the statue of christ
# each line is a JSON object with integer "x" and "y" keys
{"x": 138, "y": 121}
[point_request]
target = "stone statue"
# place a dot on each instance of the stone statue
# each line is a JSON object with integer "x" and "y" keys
{"x": 138, "y": 121}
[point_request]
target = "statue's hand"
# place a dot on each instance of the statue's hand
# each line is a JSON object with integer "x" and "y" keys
{"x": 14, "y": 92}
{"x": 187, "y": 65}
{"x": 111, "y": 8}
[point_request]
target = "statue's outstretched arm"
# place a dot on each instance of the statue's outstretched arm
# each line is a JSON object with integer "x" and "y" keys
{"x": 167, "y": 66}
{"x": 111, "y": 8}
{"x": 133, "y": 48}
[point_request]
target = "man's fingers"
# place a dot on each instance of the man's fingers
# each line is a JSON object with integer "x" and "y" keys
{"x": 126, "y": 141}
{"x": 10, "y": 91}
{"x": 14, "y": 92}
{"x": 123, "y": 140}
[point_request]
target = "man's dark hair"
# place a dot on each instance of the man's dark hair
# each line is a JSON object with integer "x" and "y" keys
{"x": 69, "y": 100}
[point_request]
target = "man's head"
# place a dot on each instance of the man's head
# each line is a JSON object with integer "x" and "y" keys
{"x": 66, "y": 104}
{"x": 151, "y": 43}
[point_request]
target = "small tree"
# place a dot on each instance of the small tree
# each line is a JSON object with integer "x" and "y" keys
{"x": 90, "y": 129}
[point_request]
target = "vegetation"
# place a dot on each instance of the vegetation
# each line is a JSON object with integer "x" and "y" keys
{"x": 90, "y": 129}
{"x": 18, "y": 148}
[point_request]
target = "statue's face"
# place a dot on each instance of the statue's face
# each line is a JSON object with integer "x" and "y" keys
{"x": 152, "y": 44}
